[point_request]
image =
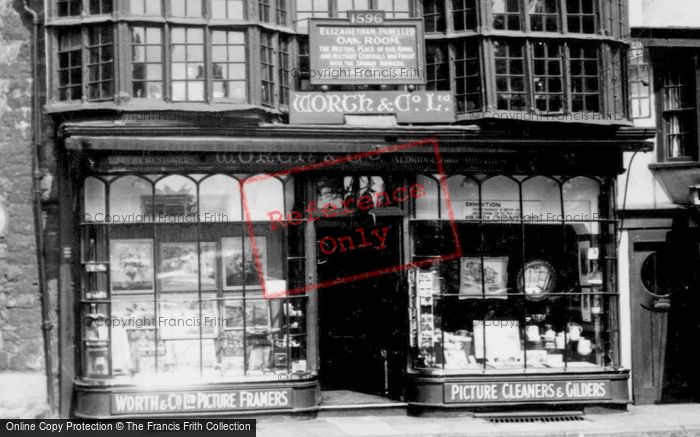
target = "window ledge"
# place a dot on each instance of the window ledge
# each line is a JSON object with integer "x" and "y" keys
{"x": 576, "y": 117}
{"x": 674, "y": 165}
{"x": 153, "y": 105}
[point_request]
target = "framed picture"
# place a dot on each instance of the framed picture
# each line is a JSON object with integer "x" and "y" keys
{"x": 495, "y": 277}
{"x": 131, "y": 266}
{"x": 178, "y": 266}
{"x": 239, "y": 269}
{"x": 537, "y": 279}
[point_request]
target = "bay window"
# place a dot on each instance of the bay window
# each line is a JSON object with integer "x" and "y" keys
{"x": 100, "y": 63}
{"x": 70, "y": 65}
{"x": 434, "y": 15}
{"x": 311, "y": 9}
{"x": 464, "y": 14}
{"x": 437, "y": 67}
{"x": 228, "y": 56}
{"x": 171, "y": 284}
{"x": 544, "y": 15}
{"x": 228, "y": 9}
{"x": 581, "y": 16}
{"x": 186, "y": 8}
{"x": 467, "y": 76}
{"x": 147, "y": 62}
{"x": 98, "y": 7}
{"x": 187, "y": 65}
{"x": 67, "y": 8}
{"x": 506, "y": 14}
{"x": 585, "y": 78}
{"x": 533, "y": 288}
{"x": 547, "y": 77}
{"x": 85, "y": 61}
{"x": 267, "y": 63}
{"x": 509, "y": 60}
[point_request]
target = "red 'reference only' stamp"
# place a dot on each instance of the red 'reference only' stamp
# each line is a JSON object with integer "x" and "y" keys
{"x": 360, "y": 237}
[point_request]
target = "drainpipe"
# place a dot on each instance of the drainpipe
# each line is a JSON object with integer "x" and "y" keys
{"x": 46, "y": 325}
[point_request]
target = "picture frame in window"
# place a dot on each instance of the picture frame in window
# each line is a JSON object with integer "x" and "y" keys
{"x": 131, "y": 266}
{"x": 495, "y": 272}
{"x": 589, "y": 264}
{"x": 537, "y": 279}
{"x": 178, "y": 266}
{"x": 238, "y": 269}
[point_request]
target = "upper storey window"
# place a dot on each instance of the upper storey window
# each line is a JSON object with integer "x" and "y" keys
{"x": 678, "y": 109}
{"x": 185, "y": 8}
{"x": 187, "y": 75}
{"x": 581, "y": 16}
{"x": 147, "y": 62}
{"x": 98, "y": 7}
{"x": 544, "y": 15}
{"x": 510, "y": 76}
{"x": 311, "y": 9}
{"x": 585, "y": 78}
{"x": 145, "y": 7}
{"x": 70, "y": 65}
{"x": 464, "y": 13}
{"x": 434, "y": 15}
{"x": 394, "y": 8}
{"x": 68, "y": 8}
{"x": 90, "y": 48}
{"x": 506, "y": 14}
{"x": 547, "y": 79}
{"x": 229, "y": 9}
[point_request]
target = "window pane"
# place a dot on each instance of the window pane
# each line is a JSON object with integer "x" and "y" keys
{"x": 581, "y": 202}
{"x": 129, "y": 197}
{"x": 147, "y": 57}
{"x": 585, "y": 78}
{"x": 175, "y": 200}
{"x": 468, "y": 76}
{"x": 438, "y": 75}
{"x": 544, "y": 15}
{"x": 220, "y": 199}
{"x": 265, "y": 197}
{"x": 187, "y": 78}
{"x": 463, "y": 198}
{"x": 506, "y": 14}
{"x": 229, "y": 55}
{"x": 509, "y": 75}
{"x": 434, "y": 15}
{"x": 70, "y": 75}
{"x": 542, "y": 201}
{"x": 94, "y": 200}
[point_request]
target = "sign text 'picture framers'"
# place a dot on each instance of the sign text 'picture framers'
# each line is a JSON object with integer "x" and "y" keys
{"x": 345, "y": 52}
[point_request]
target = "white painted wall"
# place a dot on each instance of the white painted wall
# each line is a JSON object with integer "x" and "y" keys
{"x": 625, "y": 306}
{"x": 665, "y": 13}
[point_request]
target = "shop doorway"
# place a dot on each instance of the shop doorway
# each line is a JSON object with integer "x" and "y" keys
{"x": 665, "y": 320}
{"x": 362, "y": 322}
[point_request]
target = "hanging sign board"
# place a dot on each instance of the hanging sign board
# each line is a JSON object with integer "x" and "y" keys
{"x": 408, "y": 107}
{"x": 366, "y": 50}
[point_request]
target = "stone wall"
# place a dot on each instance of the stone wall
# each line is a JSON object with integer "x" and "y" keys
{"x": 21, "y": 342}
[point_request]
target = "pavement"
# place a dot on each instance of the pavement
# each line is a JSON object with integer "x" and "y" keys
{"x": 677, "y": 420}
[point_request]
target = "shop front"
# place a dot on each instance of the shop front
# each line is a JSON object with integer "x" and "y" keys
{"x": 203, "y": 288}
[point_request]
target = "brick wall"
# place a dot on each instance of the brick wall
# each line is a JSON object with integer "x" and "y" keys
{"x": 21, "y": 343}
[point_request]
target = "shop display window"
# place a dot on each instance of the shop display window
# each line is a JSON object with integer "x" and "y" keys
{"x": 533, "y": 289}
{"x": 171, "y": 287}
